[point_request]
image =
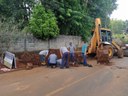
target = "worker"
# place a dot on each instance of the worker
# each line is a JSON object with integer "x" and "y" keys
{"x": 72, "y": 52}
{"x": 52, "y": 59}
{"x": 64, "y": 54}
{"x": 84, "y": 49}
{"x": 43, "y": 55}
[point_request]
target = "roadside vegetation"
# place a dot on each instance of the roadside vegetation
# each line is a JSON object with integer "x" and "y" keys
{"x": 47, "y": 19}
{"x": 42, "y": 23}
{"x": 119, "y": 29}
{"x": 67, "y": 17}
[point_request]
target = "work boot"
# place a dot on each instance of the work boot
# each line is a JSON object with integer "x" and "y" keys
{"x": 51, "y": 66}
{"x": 85, "y": 64}
{"x": 90, "y": 65}
{"x": 67, "y": 66}
{"x": 61, "y": 67}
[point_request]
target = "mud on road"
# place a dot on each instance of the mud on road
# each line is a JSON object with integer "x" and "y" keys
{"x": 100, "y": 80}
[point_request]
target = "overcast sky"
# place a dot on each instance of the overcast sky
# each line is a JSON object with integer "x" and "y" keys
{"x": 121, "y": 12}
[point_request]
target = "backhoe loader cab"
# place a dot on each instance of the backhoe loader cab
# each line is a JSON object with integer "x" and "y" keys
{"x": 106, "y": 35}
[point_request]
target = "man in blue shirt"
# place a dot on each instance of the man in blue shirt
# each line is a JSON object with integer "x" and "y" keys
{"x": 52, "y": 60}
{"x": 84, "y": 49}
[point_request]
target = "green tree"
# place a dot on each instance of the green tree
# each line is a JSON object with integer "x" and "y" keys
{"x": 102, "y": 9}
{"x": 119, "y": 29}
{"x": 75, "y": 17}
{"x": 72, "y": 16}
{"x": 126, "y": 26}
{"x": 117, "y": 26}
{"x": 18, "y": 10}
{"x": 43, "y": 23}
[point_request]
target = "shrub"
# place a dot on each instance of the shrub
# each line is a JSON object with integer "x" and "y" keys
{"x": 42, "y": 23}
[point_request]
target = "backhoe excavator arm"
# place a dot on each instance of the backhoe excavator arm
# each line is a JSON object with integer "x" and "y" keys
{"x": 95, "y": 40}
{"x": 115, "y": 45}
{"x": 120, "y": 52}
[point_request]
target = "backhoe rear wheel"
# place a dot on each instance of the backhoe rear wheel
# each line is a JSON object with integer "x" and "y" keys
{"x": 110, "y": 50}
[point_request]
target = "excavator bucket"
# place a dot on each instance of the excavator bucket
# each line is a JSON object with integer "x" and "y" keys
{"x": 103, "y": 55}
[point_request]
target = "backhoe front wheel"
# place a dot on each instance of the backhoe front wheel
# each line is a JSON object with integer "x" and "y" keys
{"x": 110, "y": 50}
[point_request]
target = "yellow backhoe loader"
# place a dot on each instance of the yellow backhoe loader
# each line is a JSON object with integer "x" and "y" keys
{"x": 103, "y": 36}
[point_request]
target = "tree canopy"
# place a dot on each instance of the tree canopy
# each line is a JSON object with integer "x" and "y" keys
{"x": 119, "y": 29}
{"x": 43, "y": 23}
{"x": 73, "y": 17}
{"x": 102, "y": 9}
{"x": 117, "y": 26}
{"x": 18, "y": 10}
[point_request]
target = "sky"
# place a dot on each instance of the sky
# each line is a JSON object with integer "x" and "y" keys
{"x": 121, "y": 13}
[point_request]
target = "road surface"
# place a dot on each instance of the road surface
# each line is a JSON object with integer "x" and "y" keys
{"x": 100, "y": 80}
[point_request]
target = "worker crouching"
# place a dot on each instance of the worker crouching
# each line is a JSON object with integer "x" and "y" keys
{"x": 52, "y": 59}
{"x": 43, "y": 55}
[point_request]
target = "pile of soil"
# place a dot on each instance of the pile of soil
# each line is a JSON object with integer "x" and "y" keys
{"x": 22, "y": 60}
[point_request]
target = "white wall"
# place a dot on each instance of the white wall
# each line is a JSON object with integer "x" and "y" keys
{"x": 33, "y": 44}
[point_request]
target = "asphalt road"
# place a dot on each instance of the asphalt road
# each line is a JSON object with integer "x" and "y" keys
{"x": 100, "y": 80}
